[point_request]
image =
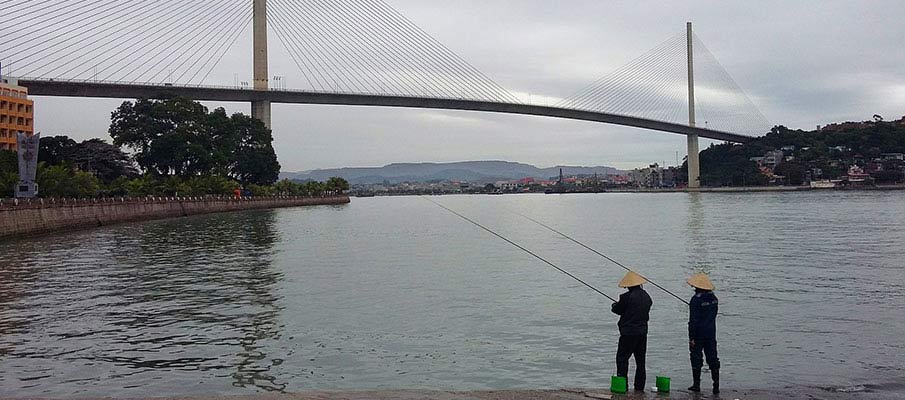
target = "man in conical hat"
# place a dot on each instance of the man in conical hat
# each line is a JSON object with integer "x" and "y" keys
{"x": 633, "y": 309}
{"x": 702, "y": 331}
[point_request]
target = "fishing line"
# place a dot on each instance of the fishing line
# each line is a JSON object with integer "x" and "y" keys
{"x": 595, "y": 252}
{"x": 519, "y": 247}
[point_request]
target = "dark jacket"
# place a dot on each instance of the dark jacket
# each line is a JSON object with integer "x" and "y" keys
{"x": 634, "y": 310}
{"x": 702, "y": 316}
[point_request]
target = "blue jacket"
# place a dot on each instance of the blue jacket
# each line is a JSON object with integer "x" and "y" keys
{"x": 702, "y": 316}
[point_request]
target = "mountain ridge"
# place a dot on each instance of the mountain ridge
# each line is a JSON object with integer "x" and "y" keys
{"x": 472, "y": 171}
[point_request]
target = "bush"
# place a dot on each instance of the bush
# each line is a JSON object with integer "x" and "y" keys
{"x": 61, "y": 181}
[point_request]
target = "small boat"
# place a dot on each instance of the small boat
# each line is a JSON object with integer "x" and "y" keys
{"x": 824, "y": 184}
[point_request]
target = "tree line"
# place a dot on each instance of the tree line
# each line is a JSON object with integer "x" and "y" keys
{"x": 830, "y": 150}
{"x": 175, "y": 146}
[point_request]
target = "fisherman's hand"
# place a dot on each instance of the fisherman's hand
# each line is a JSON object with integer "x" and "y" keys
{"x": 691, "y": 344}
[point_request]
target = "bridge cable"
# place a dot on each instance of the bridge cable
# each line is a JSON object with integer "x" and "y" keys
{"x": 389, "y": 10}
{"x": 136, "y": 36}
{"x": 322, "y": 59}
{"x": 173, "y": 36}
{"x": 321, "y": 44}
{"x": 325, "y": 43}
{"x": 47, "y": 22}
{"x": 12, "y": 15}
{"x": 298, "y": 55}
{"x": 223, "y": 51}
{"x": 405, "y": 51}
{"x": 292, "y": 54}
{"x": 215, "y": 28}
{"x": 218, "y": 51}
{"x": 80, "y": 50}
{"x": 63, "y": 19}
{"x": 152, "y": 36}
{"x": 520, "y": 247}
{"x": 471, "y": 86}
{"x": 600, "y": 84}
{"x": 367, "y": 63}
{"x": 653, "y": 86}
{"x": 619, "y": 88}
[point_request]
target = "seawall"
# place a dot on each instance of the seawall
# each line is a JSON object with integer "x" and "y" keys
{"x": 42, "y": 215}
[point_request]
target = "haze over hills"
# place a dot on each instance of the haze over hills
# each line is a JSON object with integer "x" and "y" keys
{"x": 472, "y": 171}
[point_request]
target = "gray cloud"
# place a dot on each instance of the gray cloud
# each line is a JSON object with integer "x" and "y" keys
{"x": 803, "y": 63}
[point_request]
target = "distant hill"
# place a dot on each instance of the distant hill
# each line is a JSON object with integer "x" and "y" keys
{"x": 472, "y": 171}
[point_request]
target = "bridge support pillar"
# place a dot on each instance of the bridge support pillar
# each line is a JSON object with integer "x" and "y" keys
{"x": 694, "y": 165}
{"x": 260, "y": 109}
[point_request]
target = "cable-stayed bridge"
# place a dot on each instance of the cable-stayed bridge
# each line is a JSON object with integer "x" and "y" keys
{"x": 348, "y": 52}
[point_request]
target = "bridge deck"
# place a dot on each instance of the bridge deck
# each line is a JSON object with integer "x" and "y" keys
{"x": 127, "y": 90}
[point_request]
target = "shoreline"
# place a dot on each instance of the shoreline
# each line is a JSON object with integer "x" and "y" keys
{"x": 39, "y": 216}
{"x": 552, "y": 394}
{"x": 728, "y": 189}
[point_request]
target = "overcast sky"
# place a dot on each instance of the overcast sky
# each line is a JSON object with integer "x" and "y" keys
{"x": 803, "y": 63}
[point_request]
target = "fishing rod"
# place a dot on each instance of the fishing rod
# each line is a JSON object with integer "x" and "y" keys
{"x": 519, "y": 247}
{"x": 595, "y": 252}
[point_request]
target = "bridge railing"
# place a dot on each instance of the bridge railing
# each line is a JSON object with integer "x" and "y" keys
{"x": 13, "y": 203}
{"x": 230, "y": 87}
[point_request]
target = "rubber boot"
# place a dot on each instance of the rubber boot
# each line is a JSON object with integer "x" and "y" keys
{"x": 715, "y": 374}
{"x": 696, "y": 377}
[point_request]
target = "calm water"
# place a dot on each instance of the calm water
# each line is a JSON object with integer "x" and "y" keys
{"x": 398, "y": 293}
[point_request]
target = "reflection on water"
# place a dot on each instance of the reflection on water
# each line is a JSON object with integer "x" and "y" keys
{"x": 179, "y": 295}
{"x": 398, "y": 293}
{"x": 697, "y": 248}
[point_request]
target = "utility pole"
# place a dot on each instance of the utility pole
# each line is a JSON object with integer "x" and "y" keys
{"x": 694, "y": 166}
{"x": 260, "y": 109}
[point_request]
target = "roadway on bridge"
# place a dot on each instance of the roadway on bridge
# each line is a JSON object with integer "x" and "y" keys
{"x": 207, "y": 93}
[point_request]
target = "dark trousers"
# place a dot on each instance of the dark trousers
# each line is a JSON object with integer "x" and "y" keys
{"x": 708, "y": 348}
{"x": 632, "y": 346}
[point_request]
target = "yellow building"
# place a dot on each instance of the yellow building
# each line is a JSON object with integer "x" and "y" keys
{"x": 16, "y": 114}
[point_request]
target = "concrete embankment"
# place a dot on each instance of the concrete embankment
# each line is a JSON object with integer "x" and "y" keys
{"x": 42, "y": 215}
{"x": 563, "y": 394}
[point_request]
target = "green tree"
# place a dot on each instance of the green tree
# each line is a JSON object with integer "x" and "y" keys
{"x": 215, "y": 185}
{"x": 253, "y": 161}
{"x": 179, "y": 137}
{"x": 288, "y": 187}
{"x": 63, "y": 181}
{"x": 795, "y": 173}
{"x": 55, "y": 150}
{"x": 313, "y": 188}
{"x": 168, "y": 136}
{"x": 9, "y": 172}
{"x": 106, "y": 161}
{"x": 337, "y": 184}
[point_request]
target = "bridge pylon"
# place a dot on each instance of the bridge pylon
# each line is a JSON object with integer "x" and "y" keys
{"x": 260, "y": 109}
{"x": 694, "y": 162}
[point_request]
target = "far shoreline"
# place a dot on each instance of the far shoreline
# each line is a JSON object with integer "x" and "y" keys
{"x": 728, "y": 189}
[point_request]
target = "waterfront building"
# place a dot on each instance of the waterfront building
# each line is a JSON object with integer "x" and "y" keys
{"x": 16, "y": 114}
{"x": 773, "y": 158}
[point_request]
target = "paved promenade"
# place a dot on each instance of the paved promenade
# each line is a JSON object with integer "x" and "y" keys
{"x": 569, "y": 394}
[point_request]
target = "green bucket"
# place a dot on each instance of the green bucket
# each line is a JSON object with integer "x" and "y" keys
{"x": 619, "y": 384}
{"x": 663, "y": 384}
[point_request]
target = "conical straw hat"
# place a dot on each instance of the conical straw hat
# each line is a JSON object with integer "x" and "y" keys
{"x": 632, "y": 279}
{"x": 701, "y": 281}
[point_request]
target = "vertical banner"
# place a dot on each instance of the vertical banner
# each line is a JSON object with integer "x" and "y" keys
{"x": 28, "y": 165}
{"x": 28, "y": 156}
